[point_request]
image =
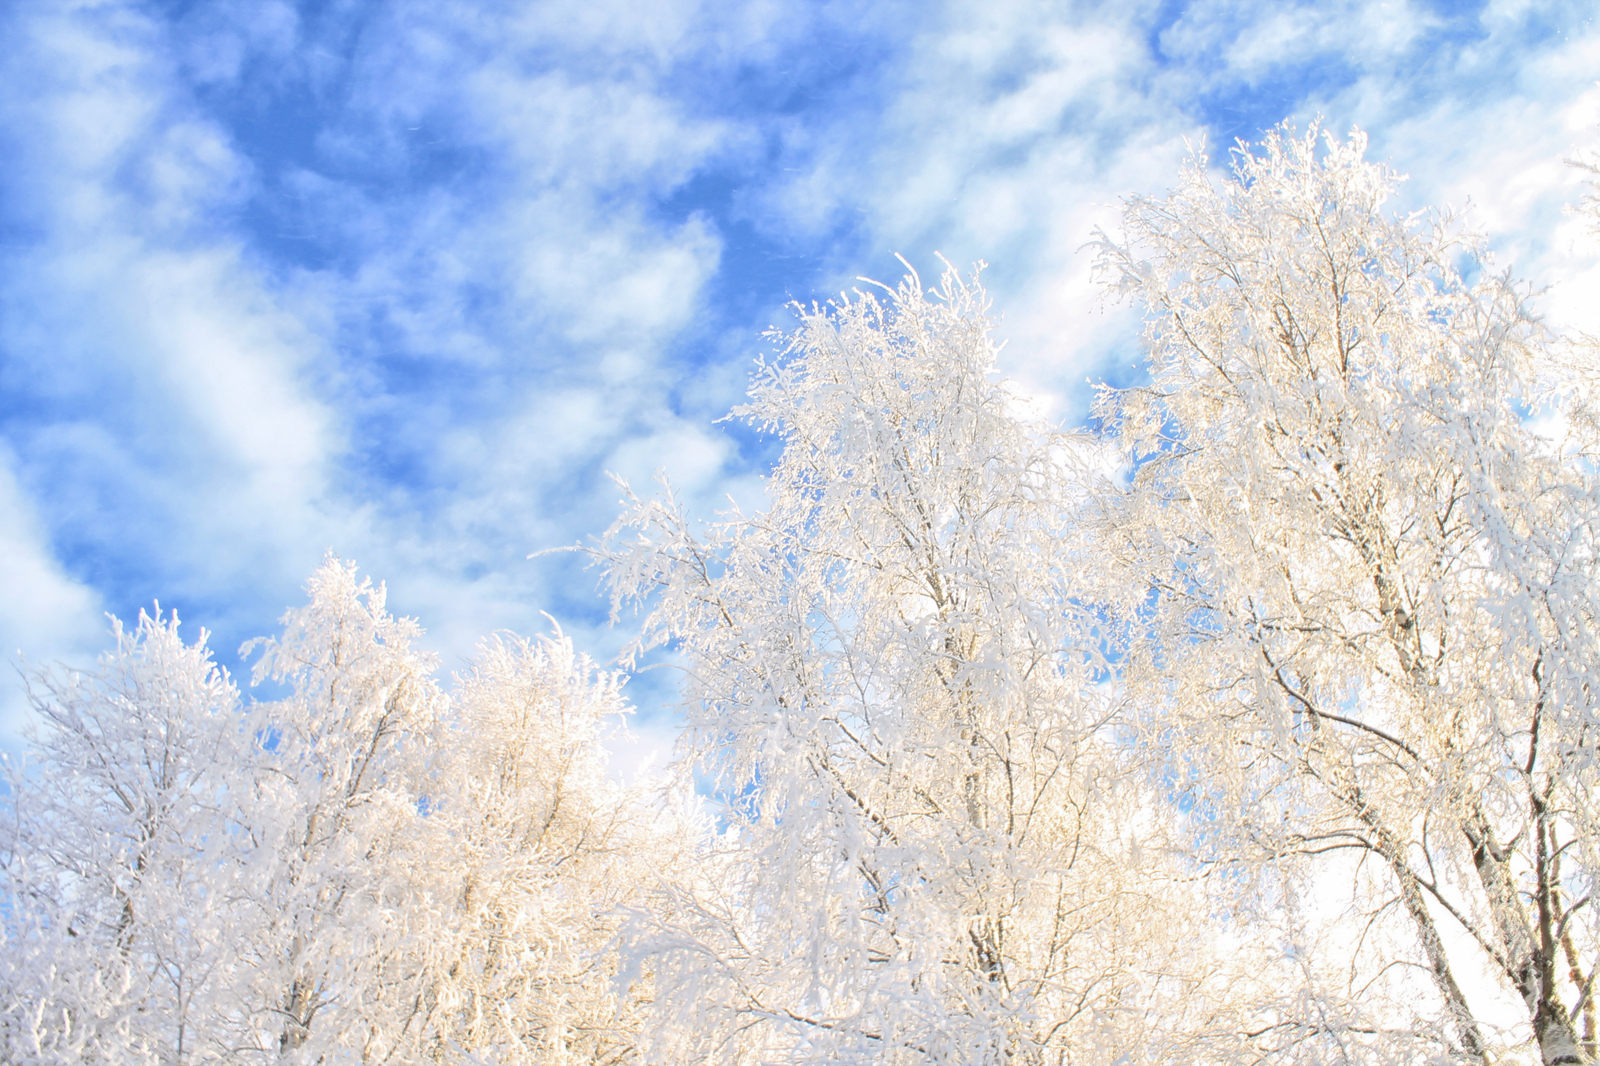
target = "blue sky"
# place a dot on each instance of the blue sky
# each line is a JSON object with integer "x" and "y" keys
{"x": 404, "y": 280}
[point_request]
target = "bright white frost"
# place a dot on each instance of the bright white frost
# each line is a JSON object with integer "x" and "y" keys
{"x": 547, "y": 855}
{"x": 888, "y": 677}
{"x": 347, "y": 760}
{"x": 1362, "y": 594}
{"x": 122, "y": 855}
{"x": 363, "y": 871}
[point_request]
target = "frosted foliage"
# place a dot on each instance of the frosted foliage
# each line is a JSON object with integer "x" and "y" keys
{"x": 121, "y": 852}
{"x": 1361, "y": 594}
{"x": 931, "y": 848}
{"x": 363, "y": 871}
{"x": 546, "y": 854}
{"x": 349, "y": 755}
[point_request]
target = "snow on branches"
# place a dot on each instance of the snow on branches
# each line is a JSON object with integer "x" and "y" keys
{"x": 366, "y": 870}
{"x": 1362, "y": 590}
{"x": 892, "y": 682}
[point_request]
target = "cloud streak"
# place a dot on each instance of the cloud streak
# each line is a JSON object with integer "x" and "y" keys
{"x": 405, "y": 280}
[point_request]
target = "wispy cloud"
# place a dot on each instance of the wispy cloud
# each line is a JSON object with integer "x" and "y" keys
{"x": 44, "y": 608}
{"x": 405, "y": 279}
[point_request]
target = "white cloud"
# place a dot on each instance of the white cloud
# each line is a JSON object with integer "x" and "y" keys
{"x": 497, "y": 280}
{"x": 1249, "y": 41}
{"x": 226, "y": 394}
{"x": 45, "y": 611}
{"x": 1010, "y": 137}
{"x": 141, "y": 319}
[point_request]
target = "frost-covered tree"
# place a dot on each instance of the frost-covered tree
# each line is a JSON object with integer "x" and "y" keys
{"x": 546, "y": 853}
{"x": 360, "y": 871}
{"x": 339, "y": 806}
{"x": 932, "y": 850}
{"x": 122, "y": 848}
{"x": 1362, "y": 594}
{"x": 449, "y": 872}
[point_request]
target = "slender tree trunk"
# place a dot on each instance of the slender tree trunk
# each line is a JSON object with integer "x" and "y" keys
{"x": 297, "y": 1026}
{"x": 1394, "y": 853}
{"x": 1532, "y": 965}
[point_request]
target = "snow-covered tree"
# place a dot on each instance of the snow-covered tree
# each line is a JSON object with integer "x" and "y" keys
{"x": 339, "y": 801}
{"x": 1362, "y": 592}
{"x": 361, "y": 871}
{"x": 122, "y": 849}
{"x": 932, "y": 848}
{"x": 546, "y": 854}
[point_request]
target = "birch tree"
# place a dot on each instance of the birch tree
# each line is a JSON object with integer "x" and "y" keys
{"x": 346, "y": 770}
{"x": 362, "y": 871}
{"x": 122, "y": 847}
{"x": 931, "y": 848}
{"x": 546, "y": 853}
{"x": 1361, "y": 588}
